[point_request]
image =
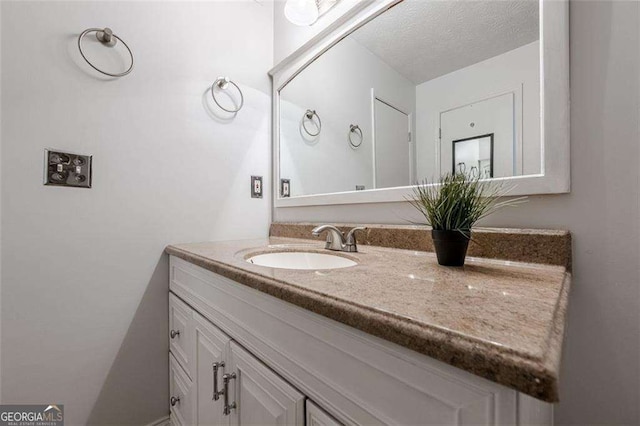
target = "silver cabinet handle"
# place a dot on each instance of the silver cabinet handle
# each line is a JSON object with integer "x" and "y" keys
{"x": 174, "y": 333}
{"x": 174, "y": 401}
{"x": 216, "y": 393}
{"x": 226, "y": 378}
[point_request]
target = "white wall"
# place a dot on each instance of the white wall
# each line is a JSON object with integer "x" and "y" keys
{"x": 84, "y": 277}
{"x": 338, "y": 86}
{"x": 600, "y": 373}
{"x": 516, "y": 71}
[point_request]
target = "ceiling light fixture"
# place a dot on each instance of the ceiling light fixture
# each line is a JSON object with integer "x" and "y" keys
{"x": 306, "y": 12}
{"x": 301, "y": 12}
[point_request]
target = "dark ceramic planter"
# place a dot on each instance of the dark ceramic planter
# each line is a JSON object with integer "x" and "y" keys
{"x": 451, "y": 247}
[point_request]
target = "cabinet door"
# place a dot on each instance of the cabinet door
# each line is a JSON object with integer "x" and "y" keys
{"x": 180, "y": 395}
{"x": 316, "y": 416}
{"x": 211, "y": 350}
{"x": 180, "y": 343}
{"x": 261, "y": 396}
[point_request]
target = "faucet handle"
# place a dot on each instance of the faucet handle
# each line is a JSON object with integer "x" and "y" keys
{"x": 351, "y": 244}
{"x": 335, "y": 237}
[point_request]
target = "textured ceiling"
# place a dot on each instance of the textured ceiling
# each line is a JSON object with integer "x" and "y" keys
{"x": 424, "y": 39}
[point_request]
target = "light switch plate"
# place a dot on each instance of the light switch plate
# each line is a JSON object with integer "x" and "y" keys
{"x": 256, "y": 186}
{"x": 67, "y": 169}
{"x": 285, "y": 188}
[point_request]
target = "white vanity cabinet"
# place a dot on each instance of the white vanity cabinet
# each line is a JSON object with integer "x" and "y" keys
{"x": 223, "y": 374}
{"x": 278, "y": 358}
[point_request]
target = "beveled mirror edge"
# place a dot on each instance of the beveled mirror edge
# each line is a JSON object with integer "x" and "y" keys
{"x": 554, "y": 94}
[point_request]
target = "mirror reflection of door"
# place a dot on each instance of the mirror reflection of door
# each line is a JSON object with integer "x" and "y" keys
{"x": 490, "y": 116}
{"x": 392, "y": 147}
{"x": 473, "y": 156}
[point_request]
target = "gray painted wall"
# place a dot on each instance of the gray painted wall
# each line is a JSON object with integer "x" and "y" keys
{"x": 600, "y": 372}
{"x": 84, "y": 277}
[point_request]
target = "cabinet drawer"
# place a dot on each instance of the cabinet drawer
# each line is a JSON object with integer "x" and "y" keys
{"x": 180, "y": 333}
{"x": 180, "y": 394}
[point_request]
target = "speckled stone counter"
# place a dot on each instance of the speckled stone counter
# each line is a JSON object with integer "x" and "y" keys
{"x": 501, "y": 320}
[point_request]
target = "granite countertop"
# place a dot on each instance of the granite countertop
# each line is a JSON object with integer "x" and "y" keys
{"x": 497, "y": 319}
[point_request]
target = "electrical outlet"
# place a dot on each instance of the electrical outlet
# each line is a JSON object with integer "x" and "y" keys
{"x": 256, "y": 186}
{"x": 285, "y": 188}
{"x": 67, "y": 169}
{"x": 359, "y": 187}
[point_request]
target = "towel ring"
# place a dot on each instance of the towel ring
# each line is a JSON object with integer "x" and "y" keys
{"x": 223, "y": 83}
{"x": 109, "y": 39}
{"x": 309, "y": 116}
{"x": 354, "y": 128}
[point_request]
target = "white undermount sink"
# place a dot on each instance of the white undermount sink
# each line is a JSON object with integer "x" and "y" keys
{"x": 301, "y": 260}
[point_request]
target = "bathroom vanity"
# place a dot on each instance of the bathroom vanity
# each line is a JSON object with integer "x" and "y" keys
{"x": 395, "y": 339}
{"x": 390, "y": 93}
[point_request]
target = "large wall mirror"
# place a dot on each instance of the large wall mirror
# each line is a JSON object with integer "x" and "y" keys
{"x": 401, "y": 91}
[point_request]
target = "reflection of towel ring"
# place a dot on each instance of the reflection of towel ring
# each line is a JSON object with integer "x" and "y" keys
{"x": 309, "y": 116}
{"x": 109, "y": 39}
{"x": 354, "y": 128}
{"x": 223, "y": 83}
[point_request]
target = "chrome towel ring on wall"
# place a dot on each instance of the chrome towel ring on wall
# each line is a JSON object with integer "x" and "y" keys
{"x": 309, "y": 116}
{"x": 108, "y": 39}
{"x": 223, "y": 83}
{"x": 354, "y": 128}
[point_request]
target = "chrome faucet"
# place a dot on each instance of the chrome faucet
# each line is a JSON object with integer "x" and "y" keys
{"x": 336, "y": 239}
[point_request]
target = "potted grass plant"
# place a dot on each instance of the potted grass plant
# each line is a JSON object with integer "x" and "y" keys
{"x": 452, "y": 206}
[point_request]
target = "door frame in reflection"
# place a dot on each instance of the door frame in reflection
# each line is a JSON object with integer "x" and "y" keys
{"x": 479, "y": 137}
{"x": 411, "y": 142}
{"x": 518, "y": 125}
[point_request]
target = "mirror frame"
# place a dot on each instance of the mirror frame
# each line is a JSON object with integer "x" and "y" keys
{"x": 554, "y": 177}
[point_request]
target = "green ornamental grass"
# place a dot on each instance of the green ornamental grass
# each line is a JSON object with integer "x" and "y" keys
{"x": 458, "y": 201}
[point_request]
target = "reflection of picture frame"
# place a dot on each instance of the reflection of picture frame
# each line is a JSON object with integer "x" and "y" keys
{"x": 473, "y": 156}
